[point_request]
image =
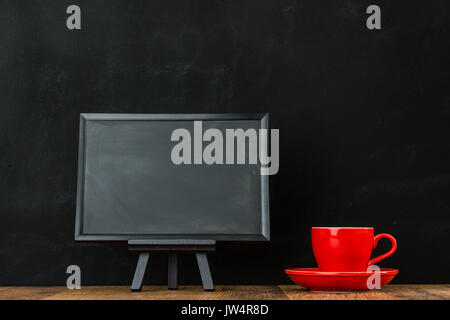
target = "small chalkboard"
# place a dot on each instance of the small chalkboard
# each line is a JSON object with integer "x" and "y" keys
{"x": 130, "y": 188}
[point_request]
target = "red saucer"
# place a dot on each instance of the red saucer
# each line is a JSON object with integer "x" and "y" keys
{"x": 315, "y": 280}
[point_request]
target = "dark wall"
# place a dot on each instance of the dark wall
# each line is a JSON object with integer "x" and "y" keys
{"x": 363, "y": 118}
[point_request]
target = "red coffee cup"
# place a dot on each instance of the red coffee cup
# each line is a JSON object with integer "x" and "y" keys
{"x": 346, "y": 248}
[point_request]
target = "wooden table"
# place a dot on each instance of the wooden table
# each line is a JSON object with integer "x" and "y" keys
{"x": 271, "y": 292}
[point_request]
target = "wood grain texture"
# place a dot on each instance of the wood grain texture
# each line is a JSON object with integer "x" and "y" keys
{"x": 285, "y": 292}
{"x": 390, "y": 292}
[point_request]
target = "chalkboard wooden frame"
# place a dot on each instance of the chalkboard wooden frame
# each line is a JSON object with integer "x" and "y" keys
{"x": 84, "y": 117}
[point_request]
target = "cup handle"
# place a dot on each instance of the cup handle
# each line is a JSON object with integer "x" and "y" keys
{"x": 387, "y": 254}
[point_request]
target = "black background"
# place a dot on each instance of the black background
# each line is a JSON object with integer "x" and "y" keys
{"x": 363, "y": 118}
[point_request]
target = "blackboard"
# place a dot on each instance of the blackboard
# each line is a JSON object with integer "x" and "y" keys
{"x": 130, "y": 188}
{"x": 363, "y": 116}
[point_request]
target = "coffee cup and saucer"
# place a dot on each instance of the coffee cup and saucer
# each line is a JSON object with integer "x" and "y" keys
{"x": 343, "y": 258}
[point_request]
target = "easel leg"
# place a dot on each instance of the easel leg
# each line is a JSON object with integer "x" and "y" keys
{"x": 205, "y": 273}
{"x": 172, "y": 271}
{"x": 140, "y": 271}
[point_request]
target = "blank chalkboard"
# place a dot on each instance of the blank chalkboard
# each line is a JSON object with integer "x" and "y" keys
{"x": 129, "y": 187}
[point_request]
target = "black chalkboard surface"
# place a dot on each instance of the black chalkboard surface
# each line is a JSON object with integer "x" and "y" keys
{"x": 130, "y": 188}
{"x": 363, "y": 117}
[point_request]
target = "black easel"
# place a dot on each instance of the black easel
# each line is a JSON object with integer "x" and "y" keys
{"x": 172, "y": 247}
